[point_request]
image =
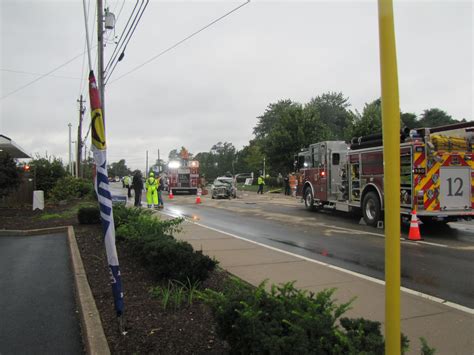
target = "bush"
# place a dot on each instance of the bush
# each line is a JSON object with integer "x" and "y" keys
{"x": 150, "y": 239}
{"x": 287, "y": 320}
{"x": 9, "y": 174}
{"x": 89, "y": 215}
{"x": 68, "y": 188}
{"x": 47, "y": 172}
{"x": 124, "y": 215}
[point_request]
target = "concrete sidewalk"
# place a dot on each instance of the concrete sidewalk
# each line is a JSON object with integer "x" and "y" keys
{"x": 449, "y": 329}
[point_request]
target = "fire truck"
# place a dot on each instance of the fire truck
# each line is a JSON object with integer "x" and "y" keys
{"x": 183, "y": 174}
{"x": 436, "y": 174}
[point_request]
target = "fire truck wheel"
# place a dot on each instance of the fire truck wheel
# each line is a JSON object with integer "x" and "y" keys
{"x": 371, "y": 208}
{"x": 309, "y": 199}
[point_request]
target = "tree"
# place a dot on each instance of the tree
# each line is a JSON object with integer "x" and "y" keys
{"x": 370, "y": 121}
{"x": 173, "y": 155}
{"x": 218, "y": 161}
{"x": 119, "y": 168}
{"x": 435, "y": 117}
{"x": 334, "y": 114}
{"x": 10, "y": 177}
{"x": 409, "y": 120}
{"x": 250, "y": 158}
{"x": 284, "y": 137}
{"x": 47, "y": 171}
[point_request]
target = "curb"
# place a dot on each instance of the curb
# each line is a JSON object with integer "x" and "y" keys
{"x": 93, "y": 335}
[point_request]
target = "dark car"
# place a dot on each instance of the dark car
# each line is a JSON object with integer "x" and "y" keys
{"x": 223, "y": 187}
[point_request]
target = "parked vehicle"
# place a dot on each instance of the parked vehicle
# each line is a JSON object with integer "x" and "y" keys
{"x": 223, "y": 187}
{"x": 436, "y": 168}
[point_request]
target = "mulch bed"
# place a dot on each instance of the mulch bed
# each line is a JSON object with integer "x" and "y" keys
{"x": 150, "y": 328}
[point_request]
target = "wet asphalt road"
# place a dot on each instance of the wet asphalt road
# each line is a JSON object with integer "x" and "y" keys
{"x": 443, "y": 268}
{"x": 38, "y": 310}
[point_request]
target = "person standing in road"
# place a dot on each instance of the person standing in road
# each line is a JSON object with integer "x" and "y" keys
{"x": 137, "y": 185}
{"x": 151, "y": 187}
{"x": 260, "y": 183}
{"x": 126, "y": 181}
{"x": 287, "y": 185}
{"x": 160, "y": 190}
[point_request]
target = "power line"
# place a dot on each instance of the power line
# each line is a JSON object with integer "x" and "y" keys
{"x": 41, "y": 77}
{"x": 114, "y": 60}
{"x": 84, "y": 56}
{"x": 38, "y": 74}
{"x": 180, "y": 42}
{"x": 112, "y": 57}
{"x": 127, "y": 41}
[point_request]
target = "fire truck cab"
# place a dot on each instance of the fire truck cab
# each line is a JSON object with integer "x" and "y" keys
{"x": 436, "y": 170}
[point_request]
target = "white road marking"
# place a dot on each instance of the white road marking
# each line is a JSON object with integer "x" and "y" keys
{"x": 356, "y": 274}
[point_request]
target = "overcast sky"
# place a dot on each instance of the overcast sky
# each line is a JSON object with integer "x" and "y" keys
{"x": 212, "y": 87}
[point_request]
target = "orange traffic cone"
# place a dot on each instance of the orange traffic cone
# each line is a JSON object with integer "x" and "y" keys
{"x": 414, "y": 233}
{"x": 198, "y": 196}
{"x": 170, "y": 194}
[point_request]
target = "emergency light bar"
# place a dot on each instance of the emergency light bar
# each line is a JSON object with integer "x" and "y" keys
{"x": 174, "y": 164}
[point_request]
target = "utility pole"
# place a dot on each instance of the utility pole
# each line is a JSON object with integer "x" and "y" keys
{"x": 146, "y": 166}
{"x": 82, "y": 109}
{"x": 100, "y": 54}
{"x": 264, "y": 168}
{"x": 70, "y": 170}
{"x": 159, "y": 166}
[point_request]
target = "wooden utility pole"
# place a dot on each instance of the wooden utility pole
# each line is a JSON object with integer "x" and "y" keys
{"x": 82, "y": 109}
{"x": 70, "y": 163}
{"x": 100, "y": 54}
{"x": 146, "y": 166}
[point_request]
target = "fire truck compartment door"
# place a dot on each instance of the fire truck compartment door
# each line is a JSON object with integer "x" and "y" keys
{"x": 455, "y": 188}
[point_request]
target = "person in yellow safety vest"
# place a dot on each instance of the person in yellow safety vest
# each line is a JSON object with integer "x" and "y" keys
{"x": 260, "y": 183}
{"x": 127, "y": 182}
{"x": 151, "y": 186}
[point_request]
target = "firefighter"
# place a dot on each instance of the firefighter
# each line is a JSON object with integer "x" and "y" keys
{"x": 151, "y": 186}
{"x": 260, "y": 183}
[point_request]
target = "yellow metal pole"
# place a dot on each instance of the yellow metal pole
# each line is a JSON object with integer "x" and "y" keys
{"x": 391, "y": 146}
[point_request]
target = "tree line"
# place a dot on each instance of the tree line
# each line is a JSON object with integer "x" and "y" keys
{"x": 288, "y": 126}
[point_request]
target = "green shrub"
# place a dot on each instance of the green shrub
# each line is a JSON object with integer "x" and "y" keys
{"x": 289, "y": 321}
{"x": 123, "y": 215}
{"x": 88, "y": 215}
{"x": 10, "y": 177}
{"x": 150, "y": 239}
{"x": 68, "y": 188}
{"x": 47, "y": 172}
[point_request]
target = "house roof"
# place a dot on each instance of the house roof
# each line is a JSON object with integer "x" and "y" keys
{"x": 14, "y": 150}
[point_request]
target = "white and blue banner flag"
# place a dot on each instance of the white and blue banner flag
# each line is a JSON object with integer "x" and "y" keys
{"x": 101, "y": 184}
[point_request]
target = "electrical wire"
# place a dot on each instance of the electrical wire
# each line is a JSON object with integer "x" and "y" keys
{"x": 180, "y": 42}
{"x": 112, "y": 57}
{"x": 81, "y": 85}
{"x": 126, "y": 43}
{"x": 38, "y": 74}
{"x": 41, "y": 77}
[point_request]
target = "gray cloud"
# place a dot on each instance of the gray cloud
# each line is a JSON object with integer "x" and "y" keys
{"x": 214, "y": 86}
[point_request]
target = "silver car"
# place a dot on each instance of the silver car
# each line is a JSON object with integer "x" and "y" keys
{"x": 223, "y": 187}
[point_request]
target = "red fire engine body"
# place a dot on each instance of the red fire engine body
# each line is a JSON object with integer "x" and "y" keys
{"x": 183, "y": 176}
{"x": 436, "y": 173}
